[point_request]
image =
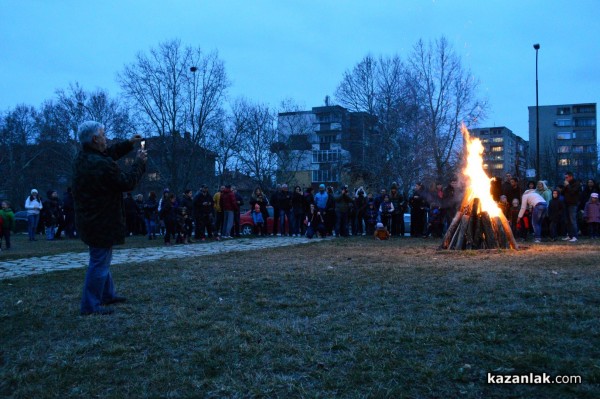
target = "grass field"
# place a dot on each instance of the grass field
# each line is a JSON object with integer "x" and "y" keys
{"x": 348, "y": 318}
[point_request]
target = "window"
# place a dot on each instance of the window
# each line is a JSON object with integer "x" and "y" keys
{"x": 325, "y": 156}
{"x": 562, "y": 122}
{"x": 577, "y": 148}
{"x": 323, "y": 176}
{"x": 496, "y": 149}
{"x": 563, "y": 111}
{"x": 584, "y": 109}
{"x": 326, "y": 138}
{"x": 498, "y": 140}
{"x": 563, "y": 136}
{"x": 585, "y": 122}
{"x": 585, "y": 134}
{"x": 563, "y": 162}
{"x": 498, "y": 166}
{"x": 563, "y": 149}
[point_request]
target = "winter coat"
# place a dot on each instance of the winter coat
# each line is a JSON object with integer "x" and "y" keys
{"x": 572, "y": 191}
{"x": 33, "y": 206}
{"x": 284, "y": 201}
{"x": 342, "y": 202}
{"x": 556, "y": 210}
{"x": 51, "y": 213}
{"x": 8, "y": 217}
{"x": 591, "y": 213}
{"x": 228, "y": 202}
{"x": 203, "y": 204}
{"x": 98, "y": 186}
{"x": 151, "y": 210}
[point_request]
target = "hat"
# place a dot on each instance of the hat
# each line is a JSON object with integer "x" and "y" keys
{"x": 594, "y": 195}
{"x": 34, "y": 191}
{"x": 394, "y": 185}
{"x": 380, "y": 225}
{"x": 321, "y": 186}
{"x": 166, "y": 190}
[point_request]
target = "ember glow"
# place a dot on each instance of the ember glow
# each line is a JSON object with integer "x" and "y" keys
{"x": 478, "y": 184}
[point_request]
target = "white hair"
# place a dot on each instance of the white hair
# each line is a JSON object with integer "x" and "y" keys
{"x": 87, "y": 130}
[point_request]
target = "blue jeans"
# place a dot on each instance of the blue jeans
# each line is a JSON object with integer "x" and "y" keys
{"x": 98, "y": 286}
{"x": 227, "y": 223}
{"x": 283, "y": 214}
{"x": 539, "y": 211}
{"x": 151, "y": 227}
{"x": 572, "y": 221}
{"x": 341, "y": 224}
{"x": 32, "y": 224}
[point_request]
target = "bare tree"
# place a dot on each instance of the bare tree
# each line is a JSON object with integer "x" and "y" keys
{"x": 447, "y": 96}
{"x": 18, "y": 132}
{"x": 384, "y": 89}
{"x": 76, "y": 105}
{"x": 177, "y": 94}
{"x": 257, "y": 158}
{"x": 357, "y": 91}
{"x": 293, "y": 149}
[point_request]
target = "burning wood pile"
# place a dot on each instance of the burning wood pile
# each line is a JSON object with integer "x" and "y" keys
{"x": 479, "y": 223}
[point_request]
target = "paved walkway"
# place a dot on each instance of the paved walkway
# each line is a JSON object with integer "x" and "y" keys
{"x": 44, "y": 264}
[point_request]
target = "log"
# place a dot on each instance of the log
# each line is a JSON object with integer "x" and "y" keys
{"x": 451, "y": 230}
{"x": 502, "y": 240}
{"x": 488, "y": 230}
{"x": 460, "y": 242}
{"x": 509, "y": 234}
{"x": 478, "y": 235}
{"x": 473, "y": 224}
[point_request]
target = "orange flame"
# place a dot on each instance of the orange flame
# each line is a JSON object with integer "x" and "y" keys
{"x": 479, "y": 183}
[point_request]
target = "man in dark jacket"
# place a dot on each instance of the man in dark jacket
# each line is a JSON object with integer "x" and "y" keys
{"x": 571, "y": 192}
{"x": 98, "y": 186}
{"x": 203, "y": 214}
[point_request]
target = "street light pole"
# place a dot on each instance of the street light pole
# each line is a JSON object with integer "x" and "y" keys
{"x": 537, "y": 117}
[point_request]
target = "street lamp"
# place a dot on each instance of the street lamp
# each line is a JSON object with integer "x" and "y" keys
{"x": 537, "y": 116}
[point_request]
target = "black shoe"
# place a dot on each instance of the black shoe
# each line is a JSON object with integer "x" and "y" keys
{"x": 115, "y": 299}
{"x": 99, "y": 312}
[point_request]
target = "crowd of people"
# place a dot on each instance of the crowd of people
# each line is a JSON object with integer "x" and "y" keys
{"x": 297, "y": 212}
{"x": 566, "y": 210}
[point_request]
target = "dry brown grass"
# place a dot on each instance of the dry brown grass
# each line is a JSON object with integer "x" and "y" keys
{"x": 341, "y": 318}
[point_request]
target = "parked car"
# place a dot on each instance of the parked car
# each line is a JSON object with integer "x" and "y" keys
{"x": 21, "y": 222}
{"x": 247, "y": 224}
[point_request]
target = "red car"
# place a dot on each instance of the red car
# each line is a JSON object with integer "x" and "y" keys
{"x": 247, "y": 224}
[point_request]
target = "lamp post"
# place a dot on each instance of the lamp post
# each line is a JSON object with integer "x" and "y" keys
{"x": 537, "y": 117}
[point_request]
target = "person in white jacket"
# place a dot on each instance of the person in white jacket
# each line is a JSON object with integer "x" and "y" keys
{"x": 33, "y": 206}
{"x": 539, "y": 206}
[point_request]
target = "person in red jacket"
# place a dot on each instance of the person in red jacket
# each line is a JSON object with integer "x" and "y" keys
{"x": 228, "y": 207}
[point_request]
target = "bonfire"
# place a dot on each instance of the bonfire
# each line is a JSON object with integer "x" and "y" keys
{"x": 479, "y": 222}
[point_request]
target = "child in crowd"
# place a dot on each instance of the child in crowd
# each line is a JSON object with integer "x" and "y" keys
{"x": 381, "y": 233}
{"x": 385, "y": 211}
{"x": 435, "y": 226}
{"x": 519, "y": 228}
{"x": 556, "y": 211}
{"x": 315, "y": 224}
{"x": 591, "y": 214}
{"x": 7, "y": 220}
{"x": 370, "y": 218}
{"x": 259, "y": 221}
{"x": 504, "y": 206}
{"x": 183, "y": 227}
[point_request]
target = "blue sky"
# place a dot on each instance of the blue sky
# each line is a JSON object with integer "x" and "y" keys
{"x": 277, "y": 49}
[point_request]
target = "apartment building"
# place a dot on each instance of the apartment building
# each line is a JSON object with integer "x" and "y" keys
{"x": 568, "y": 140}
{"x": 325, "y": 143}
{"x": 504, "y": 151}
